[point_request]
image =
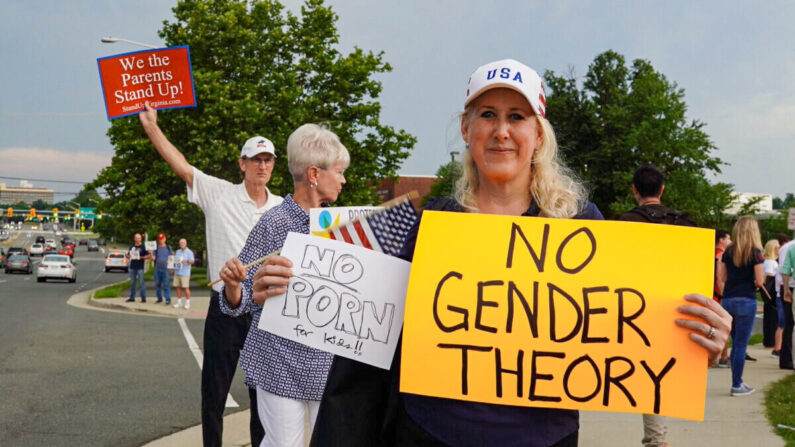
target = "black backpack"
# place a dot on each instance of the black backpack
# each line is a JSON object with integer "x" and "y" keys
{"x": 665, "y": 216}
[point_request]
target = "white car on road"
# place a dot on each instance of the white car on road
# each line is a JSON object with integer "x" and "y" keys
{"x": 58, "y": 267}
{"x": 116, "y": 260}
{"x": 36, "y": 250}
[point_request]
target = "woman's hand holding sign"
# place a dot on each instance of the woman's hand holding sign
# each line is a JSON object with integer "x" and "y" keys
{"x": 271, "y": 279}
{"x": 711, "y": 331}
{"x": 233, "y": 274}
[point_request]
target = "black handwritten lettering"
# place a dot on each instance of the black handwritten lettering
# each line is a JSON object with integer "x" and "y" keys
{"x": 537, "y": 258}
{"x": 535, "y": 376}
{"x": 518, "y": 372}
{"x": 377, "y": 327}
{"x": 464, "y": 324}
{"x": 323, "y": 307}
{"x": 552, "y": 322}
{"x": 657, "y": 379}
{"x": 559, "y": 256}
{"x": 588, "y": 311}
{"x": 481, "y": 303}
{"x": 346, "y": 321}
{"x": 616, "y": 380}
{"x": 532, "y": 315}
{"x": 464, "y": 361}
{"x": 622, "y": 320}
{"x": 570, "y": 370}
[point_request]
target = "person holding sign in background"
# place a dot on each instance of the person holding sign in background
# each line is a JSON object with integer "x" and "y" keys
{"x": 289, "y": 377}
{"x": 230, "y": 211}
{"x": 183, "y": 257}
{"x": 511, "y": 167}
{"x": 740, "y": 273}
{"x": 163, "y": 270}
{"x": 137, "y": 254}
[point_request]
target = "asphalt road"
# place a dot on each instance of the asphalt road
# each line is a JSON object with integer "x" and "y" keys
{"x": 75, "y": 377}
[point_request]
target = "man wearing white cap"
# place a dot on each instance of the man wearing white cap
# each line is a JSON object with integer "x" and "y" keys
{"x": 230, "y": 212}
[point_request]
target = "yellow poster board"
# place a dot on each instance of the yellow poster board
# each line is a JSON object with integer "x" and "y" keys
{"x": 557, "y": 313}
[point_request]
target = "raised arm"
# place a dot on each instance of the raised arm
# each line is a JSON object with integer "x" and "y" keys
{"x": 168, "y": 151}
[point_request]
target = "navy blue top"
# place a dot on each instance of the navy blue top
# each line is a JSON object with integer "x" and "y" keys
{"x": 740, "y": 280}
{"x": 138, "y": 264}
{"x": 462, "y": 423}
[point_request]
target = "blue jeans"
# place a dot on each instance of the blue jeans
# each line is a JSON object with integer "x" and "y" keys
{"x": 163, "y": 285}
{"x": 743, "y": 311}
{"x": 137, "y": 275}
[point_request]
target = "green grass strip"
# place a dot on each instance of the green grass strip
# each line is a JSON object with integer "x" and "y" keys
{"x": 780, "y": 408}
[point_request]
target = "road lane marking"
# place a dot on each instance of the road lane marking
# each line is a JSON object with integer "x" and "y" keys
{"x": 197, "y": 354}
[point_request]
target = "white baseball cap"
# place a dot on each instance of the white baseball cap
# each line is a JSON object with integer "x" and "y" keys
{"x": 511, "y": 74}
{"x": 257, "y": 145}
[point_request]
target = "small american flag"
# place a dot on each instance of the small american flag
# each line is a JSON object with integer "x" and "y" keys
{"x": 383, "y": 230}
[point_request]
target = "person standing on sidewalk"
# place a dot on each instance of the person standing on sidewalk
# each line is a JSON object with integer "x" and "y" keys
{"x": 162, "y": 274}
{"x": 740, "y": 273}
{"x": 137, "y": 254}
{"x": 230, "y": 212}
{"x": 182, "y": 274}
{"x": 648, "y": 184}
{"x": 786, "y": 256}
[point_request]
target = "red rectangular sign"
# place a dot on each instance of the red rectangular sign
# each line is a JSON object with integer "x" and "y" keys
{"x": 164, "y": 77}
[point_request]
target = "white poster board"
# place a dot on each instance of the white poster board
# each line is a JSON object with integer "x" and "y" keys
{"x": 150, "y": 245}
{"x": 342, "y": 298}
{"x": 321, "y": 219}
{"x": 174, "y": 262}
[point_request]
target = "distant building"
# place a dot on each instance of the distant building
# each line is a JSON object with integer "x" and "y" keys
{"x": 764, "y": 206}
{"x": 390, "y": 189}
{"x": 26, "y": 193}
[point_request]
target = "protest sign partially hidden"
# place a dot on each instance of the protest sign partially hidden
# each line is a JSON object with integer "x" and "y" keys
{"x": 321, "y": 219}
{"x": 163, "y": 77}
{"x": 342, "y": 298}
{"x": 150, "y": 245}
{"x": 556, "y": 313}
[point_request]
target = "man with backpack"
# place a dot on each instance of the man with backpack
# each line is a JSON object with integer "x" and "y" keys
{"x": 648, "y": 185}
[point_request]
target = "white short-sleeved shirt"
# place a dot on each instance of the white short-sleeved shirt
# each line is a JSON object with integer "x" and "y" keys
{"x": 229, "y": 215}
{"x": 782, "y": 254}
{"x": 771, "y": 267}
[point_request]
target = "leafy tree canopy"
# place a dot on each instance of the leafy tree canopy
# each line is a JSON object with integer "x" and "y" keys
{"x": 623, "y": 116}
{"x": 258, "y": 70}
{"x": 786, "y": 203}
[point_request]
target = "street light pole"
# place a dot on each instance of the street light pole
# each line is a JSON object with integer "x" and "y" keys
{"x": 131, "y": 42}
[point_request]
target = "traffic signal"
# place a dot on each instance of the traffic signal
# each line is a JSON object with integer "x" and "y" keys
{"x": 10, "y": 212}
{"x": 77, "y": 213}
{"x": 55, "y": 212}
{"x": 32, "y": 213}
{"x": 100, "y": 215}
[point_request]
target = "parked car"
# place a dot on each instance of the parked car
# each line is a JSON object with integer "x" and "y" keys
{"x": 101, "y": 242}
{"x": 36, "y": 249}
{"x": 56, "y": 266}
{"x": 17, "y": 250}
{"x": 83, "y": 242}
{"x": 19, "y": 263}
{"x": 68, "y": 250}
{"x": 92, "y": 245}
{"x": 116, "y": 260}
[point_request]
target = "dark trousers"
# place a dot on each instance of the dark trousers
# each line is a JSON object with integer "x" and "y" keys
{"x": 785, "y": 359}
{"x": 770, "y": 317}
{"x": 224, "y": 337}
{"x": 409, "y": 434}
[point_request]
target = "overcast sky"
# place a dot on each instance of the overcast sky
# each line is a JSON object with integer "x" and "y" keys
{"x": 735, "y": 60}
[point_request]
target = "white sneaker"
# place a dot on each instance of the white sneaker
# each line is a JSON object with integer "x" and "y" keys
{"x": 742, "y": 390}
{"x": 178, "y": 305}
{"x": 187, "y": 305}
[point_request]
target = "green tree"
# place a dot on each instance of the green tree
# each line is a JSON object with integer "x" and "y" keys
{"x": 444, "y": 186}
{"x": 258, "y": 70}
{"x": 87, "y": 197}
{"x": 624, "y": 116}
{"x": 782, "y": 204}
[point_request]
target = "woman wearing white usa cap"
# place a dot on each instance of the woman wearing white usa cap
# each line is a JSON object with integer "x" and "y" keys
{"x": 511, "y": 167}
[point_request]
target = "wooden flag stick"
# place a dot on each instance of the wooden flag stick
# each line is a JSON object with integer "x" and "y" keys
{"x": 386, "y": 205}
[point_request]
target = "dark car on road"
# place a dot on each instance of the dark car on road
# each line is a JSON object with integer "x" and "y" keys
{"x": 92, "y": 245}
{"x": 2, "y": 257}
{"x": 83, "y": 242}
{"x": 101, "y": 242}
{"x": 17, "y": 250}
{"x": 39, "y": 239}
{"x": 19, "y": 263}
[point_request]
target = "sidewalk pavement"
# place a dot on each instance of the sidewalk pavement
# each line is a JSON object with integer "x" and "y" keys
{"x": 727, "y": 420}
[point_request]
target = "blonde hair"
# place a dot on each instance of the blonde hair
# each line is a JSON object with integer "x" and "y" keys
{"x": 770, "y": 249}
{"x": 553, "y": 186}
{"x": 314, "y": 145}
{"x": 746, "y": 238}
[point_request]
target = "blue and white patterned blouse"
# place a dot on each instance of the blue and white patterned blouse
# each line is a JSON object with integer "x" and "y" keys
{"x": 275, "y": 364}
